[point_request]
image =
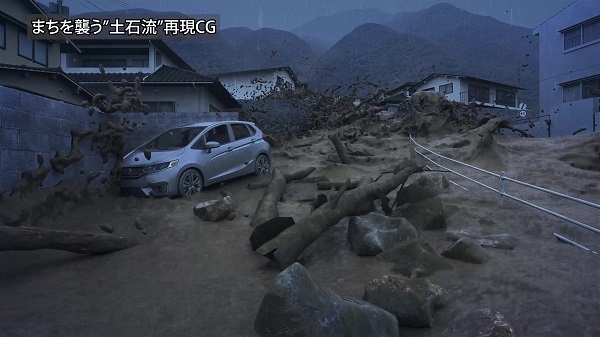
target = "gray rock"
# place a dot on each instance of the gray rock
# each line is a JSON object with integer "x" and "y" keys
{"x": 373, "y": 233}
{"x": 412, "y": 301}
{"x": 478, "y": 323}
{"x": 414, "y": 258}
{"x": 502, "y": 241}
{"x": 426, "y": 214}
{"x": 295, "y": 305}
{"x": 414, "y": 193}
{"x": 466, "y": 250}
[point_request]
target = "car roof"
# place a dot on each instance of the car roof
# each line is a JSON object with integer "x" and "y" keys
{"x": 207, "y": 124}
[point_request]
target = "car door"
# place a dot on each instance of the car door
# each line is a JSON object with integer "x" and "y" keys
{"x": 242, "y": 149}
{"x": 216, "y": 164}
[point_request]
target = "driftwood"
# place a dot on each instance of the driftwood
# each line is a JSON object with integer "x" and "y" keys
{"x": 327, "y": 185}
{"x": 29, "y": 238}
{"x": 341, "y": 151}
{"x": 217, "y": 210}
{"x": 368, "y": 206}
{"x": 289, "y": 178}
{"x": 287, "y": 246}
{"x": 268, "y": 230}
{"x": 267, "y": 207}
{"x": 336, "y": 198}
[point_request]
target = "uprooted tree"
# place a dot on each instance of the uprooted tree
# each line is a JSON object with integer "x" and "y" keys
{"x": 286, "y": 247}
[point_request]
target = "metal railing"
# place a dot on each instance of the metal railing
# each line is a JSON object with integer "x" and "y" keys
{"x": 501, "y": 189}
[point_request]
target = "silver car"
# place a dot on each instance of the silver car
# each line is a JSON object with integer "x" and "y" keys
{"x": 184, "y": 160}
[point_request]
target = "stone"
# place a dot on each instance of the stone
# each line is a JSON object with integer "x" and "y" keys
{"x": 412, "y": 301}
{"x": 414, "y": 258}
{"x": 466, "y": 250}
{"x": 373, "y": 233}
{"x": 426, "y": 214}
{"x": 295, "y": 305}
{"x": 216, "y": 210}
{"x": 414, "y": 193}
{"x": 479, "y": 322}
{"x": 501, "y": 241}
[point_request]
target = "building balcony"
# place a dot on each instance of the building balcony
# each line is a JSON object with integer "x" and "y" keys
{"x": 491, "y": 99}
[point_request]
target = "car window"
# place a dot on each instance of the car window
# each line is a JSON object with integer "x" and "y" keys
{"x": 174, "y": 138}
{"x": 218, "y": 134}
{"x": 240, "y": 131}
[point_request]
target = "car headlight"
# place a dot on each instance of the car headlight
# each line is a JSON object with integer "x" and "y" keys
{"x": 160, "y": 167}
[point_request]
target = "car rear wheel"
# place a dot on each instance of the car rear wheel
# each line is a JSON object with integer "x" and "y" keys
{"x": 190, "y": 182}
{"x": 263, "y": 165}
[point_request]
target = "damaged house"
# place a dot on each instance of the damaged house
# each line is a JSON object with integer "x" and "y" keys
{"x": 463, "y": 89}
{"x": 258, "y": 83}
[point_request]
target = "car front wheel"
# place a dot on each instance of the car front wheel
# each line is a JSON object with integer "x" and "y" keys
{"x": 263, "y": 165}
{"x": 190, "y": 182}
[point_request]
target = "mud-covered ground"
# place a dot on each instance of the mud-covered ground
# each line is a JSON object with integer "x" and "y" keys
{"x": 188, "y": 277}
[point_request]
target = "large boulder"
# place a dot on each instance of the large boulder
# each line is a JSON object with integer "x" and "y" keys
{"x": 373, "y": 233}
{"x": 414, "y": 258}
{"x": 502, "y": 241}
{"x": 466, "y": 250}
{"x": 296, "y": 305}
{"x": 414, "y": 193}
{"x": 412, "y": 301}
{"x": 479, "y": 322}
{"x": 426, "y": 214}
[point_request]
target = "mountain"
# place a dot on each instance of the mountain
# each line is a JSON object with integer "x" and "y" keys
{"x": 330, "y": 29}
{"x": 244, "y": 49}
{"x": 384, "y": 55}
{"x": 486, "y": 47}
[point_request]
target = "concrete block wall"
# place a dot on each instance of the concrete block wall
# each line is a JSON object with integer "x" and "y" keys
{"x": 31, "y": 125}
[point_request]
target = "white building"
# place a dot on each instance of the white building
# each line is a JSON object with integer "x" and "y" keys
{"x": 258, "y": 83}
{"x": 169, "y": 84}
{"x": 464, "y": 89}
{"x": 570, "y": 70}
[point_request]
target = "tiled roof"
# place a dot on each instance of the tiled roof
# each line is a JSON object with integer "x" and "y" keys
{"x": 102, "y": 78}
{"x": 170, "y": 74}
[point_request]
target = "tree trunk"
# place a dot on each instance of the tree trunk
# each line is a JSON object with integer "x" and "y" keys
{"x": 341, "y": 151}
{"x": 29, "y": 238}
{"x": 267, "y": 207}
{"x": 287, "y": 246}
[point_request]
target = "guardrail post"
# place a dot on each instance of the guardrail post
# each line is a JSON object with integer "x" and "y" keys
{"x": 501, "y": 188}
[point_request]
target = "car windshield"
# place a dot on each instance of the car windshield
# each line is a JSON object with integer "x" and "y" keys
{"x": 174, "y": 138}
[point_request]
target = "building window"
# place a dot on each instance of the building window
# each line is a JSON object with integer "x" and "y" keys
{"x": 34, "y": 50}
{"x": 504, "y": 97}
{"x": 447, "y": 88}
{"x": 2, "y": 35}
{"x": 572, "y": 92}
{"x": 480, "y": 94}
{"x": 588, "y": 86}
{"x": 161, "y": 106}
{"x": 582, "y": 34}
{"x": 25, "y": 46}
{"x": 139, "y": 63}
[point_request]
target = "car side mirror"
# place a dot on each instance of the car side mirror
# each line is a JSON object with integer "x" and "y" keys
{"x": 211, "y": 145}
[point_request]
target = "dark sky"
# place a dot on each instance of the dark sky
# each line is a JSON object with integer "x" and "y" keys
{"x": 289, "y": 14}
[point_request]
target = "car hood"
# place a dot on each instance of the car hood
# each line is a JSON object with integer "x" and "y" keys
{"x": 156, "y": 157}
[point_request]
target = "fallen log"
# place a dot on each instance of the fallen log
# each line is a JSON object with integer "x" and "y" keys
{"x": 327, "y": 185}
{"x": 79, "y": 242}
{"x": 287, "y": 246}
{"x": 368, "y": 206}
{"x": 267, "y": 207}
{"x": 341, "y": 151}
